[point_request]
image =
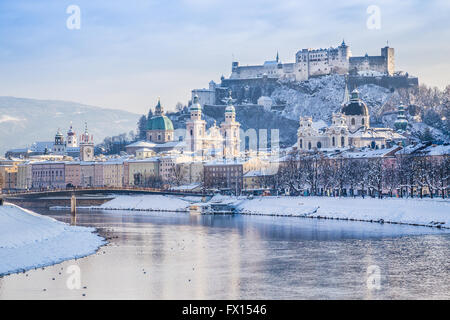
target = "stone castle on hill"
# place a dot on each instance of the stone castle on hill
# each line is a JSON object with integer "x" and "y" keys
{"x": 249, "y": 83}
{"x": 318, "y": 62}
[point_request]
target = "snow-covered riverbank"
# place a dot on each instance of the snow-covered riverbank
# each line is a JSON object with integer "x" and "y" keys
{"x": 147, "y": 203}
{"x": 29, "y": 240}
{"x": 411, "y": 211}
{"x": 430, "y": 212}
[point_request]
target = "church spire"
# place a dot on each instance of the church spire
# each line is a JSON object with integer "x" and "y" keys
{"x": 159, "y": 111}
{"x": 346, "y": 99}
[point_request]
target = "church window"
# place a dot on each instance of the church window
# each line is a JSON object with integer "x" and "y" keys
{"x": 353, "y": 121}
{"x": 191, "y": 132}
{"x": 319, "y": 145}
{"x": 309, "y": 145}
{"x": 342, "y": 141}
{"x": 301, "y": 143}
{"x": 362, "y": 121}
{"x": 333, "y": 141}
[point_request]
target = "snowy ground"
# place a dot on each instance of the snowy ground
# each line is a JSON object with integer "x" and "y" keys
{"x": 413, "y": 211}
{"x": 434, "y": 212}
{"x": 29, "y": 240}
{"x": 147, "y": 202}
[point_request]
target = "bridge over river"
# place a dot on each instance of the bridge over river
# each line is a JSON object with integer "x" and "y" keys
{"x": 84, "y": 196}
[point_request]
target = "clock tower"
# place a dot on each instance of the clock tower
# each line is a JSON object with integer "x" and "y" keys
{"x": 86, "y": 146}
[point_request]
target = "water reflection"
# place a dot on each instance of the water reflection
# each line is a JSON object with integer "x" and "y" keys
{"x": 181, "y": 256}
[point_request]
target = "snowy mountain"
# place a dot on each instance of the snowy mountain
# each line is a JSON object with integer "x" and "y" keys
{"x": 23, "y": 121}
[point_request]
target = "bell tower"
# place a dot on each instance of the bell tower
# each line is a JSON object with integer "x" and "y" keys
{"x": 59, "y": 147}
{"x": 195, "y": 128}
{"x": 86, "y": 146}
{"x": 230, "y": 131}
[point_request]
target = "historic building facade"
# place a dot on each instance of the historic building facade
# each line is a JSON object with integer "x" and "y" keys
{"x": 215, "y": 142}
{"x": 349, "y": 128}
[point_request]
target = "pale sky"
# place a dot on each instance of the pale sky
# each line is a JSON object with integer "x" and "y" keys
{"x": 127, "y": 53}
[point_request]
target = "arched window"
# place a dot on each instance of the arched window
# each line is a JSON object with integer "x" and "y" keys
{"x": 309, "y": 145}
{"x": 333, "y": 141}
{"x": 362, "y": 121}
{"x": 373, "y": 144}
{"x": 301, "y": 143}
{"x": 353, "y": 121}
{"x": 191, "y": 132}
{"x": 319, "y": 145}
{"x": 342, "y": 141}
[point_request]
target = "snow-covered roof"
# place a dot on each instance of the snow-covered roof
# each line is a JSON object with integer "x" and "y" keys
{"x": 437, "y": 150}
{"x": 370, "y": 153}
{"x": 141, "y": 144}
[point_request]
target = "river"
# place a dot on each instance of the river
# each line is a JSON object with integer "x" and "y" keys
{"x": 177, "y": 256}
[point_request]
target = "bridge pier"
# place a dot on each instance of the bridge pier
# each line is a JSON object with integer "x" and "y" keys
{"x": 73, "y": 206}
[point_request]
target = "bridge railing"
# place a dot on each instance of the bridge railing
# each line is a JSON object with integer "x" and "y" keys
{"x": 108, "y": 189}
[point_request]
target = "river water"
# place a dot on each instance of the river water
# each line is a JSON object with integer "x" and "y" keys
{"x": 178, "y": 256}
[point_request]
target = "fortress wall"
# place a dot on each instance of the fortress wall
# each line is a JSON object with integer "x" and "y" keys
{"x": 385, "y": 81}
{"x": 257, "y": 87}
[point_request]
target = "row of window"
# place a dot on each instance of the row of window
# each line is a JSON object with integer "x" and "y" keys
{"x": 319, "y": 144}
{"x": 48, "y": 173}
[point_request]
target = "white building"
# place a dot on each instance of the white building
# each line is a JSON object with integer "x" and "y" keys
{"x": 86, "y": 146}
{"x": 349, "y": 128}
{"x": 205, "y": 96}
{"x": 223, "y": 141}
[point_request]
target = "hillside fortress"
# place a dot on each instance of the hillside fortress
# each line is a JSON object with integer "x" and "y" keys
{"x": 250, "y": 83}
{"x": 318, "y": 62}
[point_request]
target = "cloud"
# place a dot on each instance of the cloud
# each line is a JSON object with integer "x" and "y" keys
{"x": 6, "y": 118}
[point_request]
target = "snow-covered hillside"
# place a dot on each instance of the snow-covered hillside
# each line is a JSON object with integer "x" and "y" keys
{"x": 320, "y": 97}
{"x": 29, "y": 240}
{"x": 23, "y": 121}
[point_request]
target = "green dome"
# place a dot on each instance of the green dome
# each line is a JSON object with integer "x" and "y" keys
{"x": 159, "y": 123}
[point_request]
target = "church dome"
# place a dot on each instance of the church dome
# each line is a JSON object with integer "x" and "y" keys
{"x": 356, "y": 107}
{"x": 59, "y": 134}
{"x": 230, "y": 107}
{"x": 71, "y": 132}
{"x": 195, "y": 104}
{"x": 159, "y": 123}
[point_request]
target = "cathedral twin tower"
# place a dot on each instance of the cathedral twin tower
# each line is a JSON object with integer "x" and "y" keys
{"x": 215, "y": 142}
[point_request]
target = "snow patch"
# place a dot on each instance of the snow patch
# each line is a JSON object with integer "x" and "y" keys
{"x": 29, "y": 240}
{"x": 146, "y": 202}
{"x": 412, "y": 211}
